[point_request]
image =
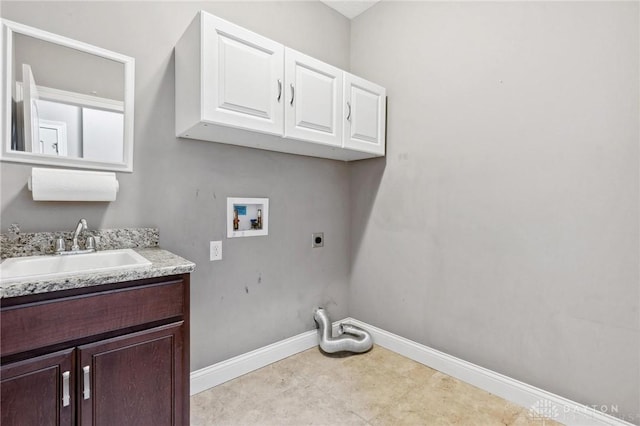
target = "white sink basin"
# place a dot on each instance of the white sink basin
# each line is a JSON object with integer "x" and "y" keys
{"x": 44, "y": 267}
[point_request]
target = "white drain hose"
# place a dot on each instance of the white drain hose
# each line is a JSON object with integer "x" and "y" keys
{"x": 351, "y": 339}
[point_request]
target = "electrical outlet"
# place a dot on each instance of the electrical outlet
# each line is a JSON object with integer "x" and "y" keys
{"x": 215, "y": 250}
{"x": 317, "y": 239}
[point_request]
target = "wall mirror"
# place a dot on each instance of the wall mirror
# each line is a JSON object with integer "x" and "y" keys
{"x": 65, "y": 102}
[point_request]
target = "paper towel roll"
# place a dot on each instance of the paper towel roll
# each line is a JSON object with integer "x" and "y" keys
{"x": 72, "y": 185}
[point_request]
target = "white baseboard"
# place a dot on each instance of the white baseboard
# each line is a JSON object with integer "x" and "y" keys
{"x": 224, "y": 371}
{"x": 561, "y": 409}
{"x": 558, "y": 408}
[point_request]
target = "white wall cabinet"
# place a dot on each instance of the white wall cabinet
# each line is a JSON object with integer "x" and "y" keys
{"x": 365, "y": 119}
{"x": 314, "y": 108}
{"x": 236, "y": 81}
{"x": 236, "y": 87}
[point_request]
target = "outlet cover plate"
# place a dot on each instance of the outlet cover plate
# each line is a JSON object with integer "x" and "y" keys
{"x": 215, "y": 250}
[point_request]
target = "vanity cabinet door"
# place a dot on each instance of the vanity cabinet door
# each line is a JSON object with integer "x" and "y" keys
{"x": 134, "y": 379}
{"x": 365, "y": 115}
{"x": 38, "y": 391}
{"x": 313, "y": 109}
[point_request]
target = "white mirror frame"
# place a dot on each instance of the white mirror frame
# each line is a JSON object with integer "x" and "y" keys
{"x": 7, "y": 154}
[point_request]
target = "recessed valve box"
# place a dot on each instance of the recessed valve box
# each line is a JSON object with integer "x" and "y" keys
{"x": 247, "y": 217}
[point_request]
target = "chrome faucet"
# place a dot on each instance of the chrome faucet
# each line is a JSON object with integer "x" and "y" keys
{"x": 90, "y": 245}
{"x": 82, "y": 226}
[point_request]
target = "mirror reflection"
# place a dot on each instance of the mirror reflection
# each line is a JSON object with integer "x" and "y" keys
{"x": 61, "y": 107}
{"x": 65, "y": 102}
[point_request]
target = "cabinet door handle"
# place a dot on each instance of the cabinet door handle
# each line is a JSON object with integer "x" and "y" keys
{"x": 293, "y": 94}
{"x": 279, "y": 89}
{"x": 349, "y": 114}
{"x": 66, "y": 398}
{"x": 87, "y": 382}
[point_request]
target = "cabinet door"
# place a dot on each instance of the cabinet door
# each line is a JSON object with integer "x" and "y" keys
{"x": 365, "y": 115}
{"x": 38, "y": 391}
{"x": 242, "y": 77}
{"x": 134, "y": 379}
{"x": 313, "y": 109}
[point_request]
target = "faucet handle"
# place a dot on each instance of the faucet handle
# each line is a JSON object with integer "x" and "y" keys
{"x": 59, "y": 246}
{"x": 91, "y": 243}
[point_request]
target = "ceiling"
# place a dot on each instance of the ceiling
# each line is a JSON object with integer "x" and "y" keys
{"x": 352, "y": 8}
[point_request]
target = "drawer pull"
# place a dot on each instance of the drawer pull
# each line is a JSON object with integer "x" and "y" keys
{"x": 87, "y": 382}
{"x": 66, "y": 398}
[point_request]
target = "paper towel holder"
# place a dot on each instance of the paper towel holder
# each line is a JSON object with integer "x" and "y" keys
{"x": 72, "y": 185}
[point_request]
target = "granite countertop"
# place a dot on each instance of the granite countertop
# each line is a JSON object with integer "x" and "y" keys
{"x": 163, "y": 263}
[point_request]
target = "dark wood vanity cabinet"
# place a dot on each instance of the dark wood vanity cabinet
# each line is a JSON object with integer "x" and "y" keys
{"x": 31, "y": 391}
{"x": 115, "y": 354}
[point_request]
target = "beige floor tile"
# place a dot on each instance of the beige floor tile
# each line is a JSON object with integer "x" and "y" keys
{"x": 372, "y": 391}
{"x": 308, "y": 405}
{"x": 326, "y": 370}
{"x": 377, "y": 388}
{"x": 448, "y": 401}
{"x": 218, "y": 405}
{"x": 526, "y": 419}
{"x": 380, "y": 357}
{"x": 264, "y": 383}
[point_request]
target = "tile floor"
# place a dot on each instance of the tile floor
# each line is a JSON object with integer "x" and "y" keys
{"x": 377, "y": 388}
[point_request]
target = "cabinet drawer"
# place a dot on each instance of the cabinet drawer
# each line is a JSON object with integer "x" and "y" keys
{"x": 31, "y": 326}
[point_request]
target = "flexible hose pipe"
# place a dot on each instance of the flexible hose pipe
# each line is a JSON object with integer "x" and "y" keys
{"x": 351, "y": 338}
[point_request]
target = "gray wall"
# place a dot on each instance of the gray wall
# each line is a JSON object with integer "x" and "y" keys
{"x": 503, "y": 226}
{"x": 265, "y": 288}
